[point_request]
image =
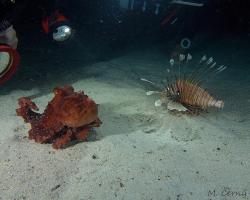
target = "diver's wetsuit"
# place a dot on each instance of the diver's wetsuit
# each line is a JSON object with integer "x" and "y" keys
{"x": 10, "y": 10}
{"x": 7, "y": 9}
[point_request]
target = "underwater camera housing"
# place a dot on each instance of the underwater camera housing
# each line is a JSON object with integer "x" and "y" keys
{"x": 9, "y": 61}
{"x": 57, "y": 26}
{"x": 144, "y": 6}
{"x": 157, "y": 6}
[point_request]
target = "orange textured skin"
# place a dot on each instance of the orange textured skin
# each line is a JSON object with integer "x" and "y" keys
{"x": 68, "y": 116}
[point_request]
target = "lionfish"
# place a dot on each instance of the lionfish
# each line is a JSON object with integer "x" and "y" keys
{"x": 183, "y": 92}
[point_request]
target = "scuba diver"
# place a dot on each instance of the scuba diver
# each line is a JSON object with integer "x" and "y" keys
{"x": 54, "y": 24}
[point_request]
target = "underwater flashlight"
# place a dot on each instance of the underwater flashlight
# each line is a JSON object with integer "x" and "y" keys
{"x": 57, "y": 26}
{"x": 62, "y": 33}
{"x": 9, "y": 61}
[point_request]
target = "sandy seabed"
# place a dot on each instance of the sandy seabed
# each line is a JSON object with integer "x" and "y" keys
{"x": 140, "y": 152}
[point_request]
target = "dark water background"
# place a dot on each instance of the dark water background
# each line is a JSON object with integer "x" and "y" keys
{"x": 104, "y": 31}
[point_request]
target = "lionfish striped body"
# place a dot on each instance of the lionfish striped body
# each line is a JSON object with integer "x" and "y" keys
{"x": 186, "y": 89}
{"x": 193, "y": 96}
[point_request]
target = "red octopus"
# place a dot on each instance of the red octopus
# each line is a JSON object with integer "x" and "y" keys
{"x": 68, "y": 117}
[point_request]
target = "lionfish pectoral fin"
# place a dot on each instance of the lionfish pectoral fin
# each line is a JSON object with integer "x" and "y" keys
{"x": 172, "y": 105}
{"x": 148, "y": 81}
{"x": 148, "y": 93}
{"x": 158, "y": 103}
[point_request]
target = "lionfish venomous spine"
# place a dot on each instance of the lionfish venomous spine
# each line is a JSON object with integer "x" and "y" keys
{"x": 183, "y": 92}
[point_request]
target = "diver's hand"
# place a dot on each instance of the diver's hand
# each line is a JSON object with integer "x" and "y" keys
{"x": 9, "y": 37}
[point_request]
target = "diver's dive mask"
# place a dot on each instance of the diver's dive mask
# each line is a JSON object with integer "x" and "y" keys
{"x": 58, "y": 26}
{"x": 9, "y": 61}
